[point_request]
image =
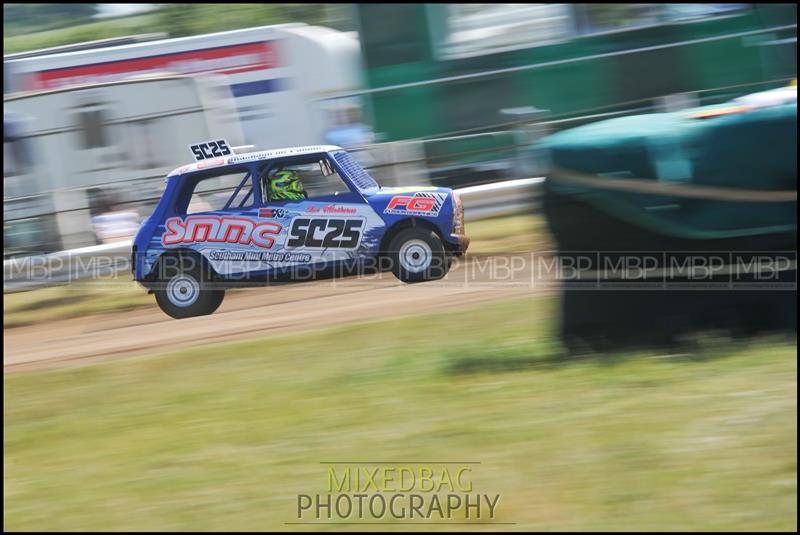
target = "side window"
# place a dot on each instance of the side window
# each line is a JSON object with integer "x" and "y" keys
{"x": 91, "y": 120}
{"x": 476, "y": 29}
{"x": 229, "y": 191}
{"x": 147, "y": 152}
{"x": 16, "y": 159}
{"x": 598, "y": 18}
{"x": 309, "y": 179}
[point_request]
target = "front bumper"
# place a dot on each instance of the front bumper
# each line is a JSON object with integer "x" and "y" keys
{"x": 457, "y": 244}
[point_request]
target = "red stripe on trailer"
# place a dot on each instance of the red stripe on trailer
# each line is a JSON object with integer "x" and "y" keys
{"x": 231, "y": 59}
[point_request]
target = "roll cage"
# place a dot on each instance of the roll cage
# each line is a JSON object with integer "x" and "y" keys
{"x": 256, "y": 191}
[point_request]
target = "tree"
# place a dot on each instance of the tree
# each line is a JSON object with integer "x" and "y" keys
{"x": 193, "y": 19}
{"x": 22, "y": 18}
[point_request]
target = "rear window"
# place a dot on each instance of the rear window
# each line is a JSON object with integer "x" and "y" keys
{"x": 229, "y": 190}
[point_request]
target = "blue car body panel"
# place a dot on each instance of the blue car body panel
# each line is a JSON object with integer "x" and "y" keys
{"x": 273, "y": 237}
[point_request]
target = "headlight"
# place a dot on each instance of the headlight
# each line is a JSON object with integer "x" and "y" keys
{"x": 458, "y": 214}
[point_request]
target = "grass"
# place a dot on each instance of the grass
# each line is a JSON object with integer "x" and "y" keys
{"x": 509, "y": 234}
{"x": 82, "y": 298}
{"x": 225, "y": 437}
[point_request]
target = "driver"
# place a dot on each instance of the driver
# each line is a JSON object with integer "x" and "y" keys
{"x": 285, "y": 185}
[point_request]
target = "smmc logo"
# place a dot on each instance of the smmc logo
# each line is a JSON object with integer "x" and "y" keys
{"x": 220, "y": 229}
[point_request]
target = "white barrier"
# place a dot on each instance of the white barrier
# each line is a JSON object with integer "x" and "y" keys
{"x": 488, "y": 200}
{"x": 500, "y": 198}
{"x": 29, "y": 272}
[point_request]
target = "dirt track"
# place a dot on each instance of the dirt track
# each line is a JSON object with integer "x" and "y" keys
{"x": 260, "y": 311}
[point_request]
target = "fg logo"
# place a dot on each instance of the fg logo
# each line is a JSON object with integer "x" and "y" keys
{"x": 419, "y": 204}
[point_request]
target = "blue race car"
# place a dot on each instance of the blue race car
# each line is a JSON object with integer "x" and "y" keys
{"x": 229, "y": 219}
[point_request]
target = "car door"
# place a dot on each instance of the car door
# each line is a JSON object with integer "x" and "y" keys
{"x": 217, "y": 217}
{"x": 330, "y": 223}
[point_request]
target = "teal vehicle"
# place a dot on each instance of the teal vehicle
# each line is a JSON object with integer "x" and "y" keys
{"x": 683, "y": 221}
{"x": 721, "y": 176}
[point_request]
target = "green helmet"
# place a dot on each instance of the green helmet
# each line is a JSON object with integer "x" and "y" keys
{"x": 286, "y": 185}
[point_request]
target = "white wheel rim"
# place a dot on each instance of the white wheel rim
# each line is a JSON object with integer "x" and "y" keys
{"x": 415, "y": 256}
{"x": 183, "y": 290}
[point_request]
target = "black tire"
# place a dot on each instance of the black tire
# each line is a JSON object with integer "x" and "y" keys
{"x": 418, "y": 255}
{"x": 179, "y": 279}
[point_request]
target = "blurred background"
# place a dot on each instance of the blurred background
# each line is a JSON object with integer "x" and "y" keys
{"x": 217, "y": 428}
{"x": 451, "y": 94}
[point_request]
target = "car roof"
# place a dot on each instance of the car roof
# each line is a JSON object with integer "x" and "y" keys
{"x": 246, "y": 157}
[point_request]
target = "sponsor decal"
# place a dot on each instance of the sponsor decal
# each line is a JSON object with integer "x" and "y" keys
{"x": 268, "y": 154}
{"x": 231, "y": 59}
{"x": 325, "y": 233}
{"x": 332, "y": 209}
{"x": 257, "y": 256}
{"x": 421, "y": 203}
{"x": 278, "y": 213}
{"x": 210, "y": 149}
{"x": 220, "y": 229}
{"x": 263, "y": 155}
{"x": 210, "y": 163}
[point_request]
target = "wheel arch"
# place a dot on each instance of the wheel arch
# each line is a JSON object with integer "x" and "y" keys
{"x": 182, "y": 252}
{"x": 411, "y": 222}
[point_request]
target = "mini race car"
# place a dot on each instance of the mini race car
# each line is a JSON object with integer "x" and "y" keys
{"x": 219, "y": 224}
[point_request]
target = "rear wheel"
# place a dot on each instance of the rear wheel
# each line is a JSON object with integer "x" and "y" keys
{"x": 418, "y": 255}
{"x": 183, "y": 290}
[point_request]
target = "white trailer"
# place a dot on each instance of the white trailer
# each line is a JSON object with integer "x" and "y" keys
{"x": 279, "y": 75}
{"x": 73, "y": 153}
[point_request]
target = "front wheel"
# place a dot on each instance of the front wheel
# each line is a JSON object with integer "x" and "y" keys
{"x": 418, "y": 255}
{"x": 182, "y": 291}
